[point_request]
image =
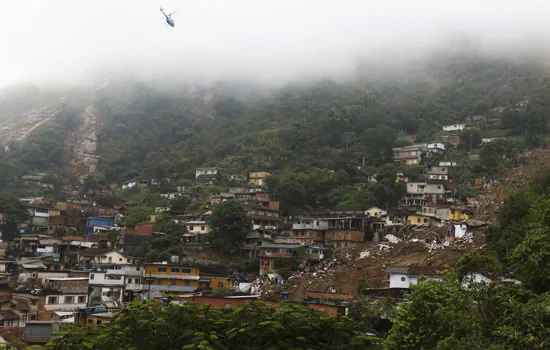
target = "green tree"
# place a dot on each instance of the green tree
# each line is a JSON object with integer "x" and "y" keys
{"x": 532, "y": 260}
{"x": 152, "y": 326}
{"x": 137, "y": 215}
{"x": 438, "y": 315}
{"x": 292, "y": 195}
{"x": 16, "y": 212}
{"x": 478, "y": 262}
{"x": 229, "y": 225}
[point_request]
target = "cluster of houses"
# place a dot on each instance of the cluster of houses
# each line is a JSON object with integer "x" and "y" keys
{"x": 75, "y": 263}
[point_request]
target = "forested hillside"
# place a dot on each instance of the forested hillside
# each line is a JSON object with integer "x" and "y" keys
{"x": 320, "y": 138}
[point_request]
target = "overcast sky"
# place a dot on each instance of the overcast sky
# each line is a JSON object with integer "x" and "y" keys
{"x": 64, "y": 39}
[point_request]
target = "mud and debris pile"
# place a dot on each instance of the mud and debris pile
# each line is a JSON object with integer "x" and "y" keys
{"x": 370, "y": 260}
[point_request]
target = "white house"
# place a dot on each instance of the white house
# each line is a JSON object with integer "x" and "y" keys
{"x": 119, "y": 282}
{"x": 101, "y": 257}
{"x": 438, "y": 173}
{"x": 403, "y": 276}
{"x": 375, "y": 211}
{"x": 436, "y": 147}
{"x": 65, "y": 302}
{"x": 310, "y": 224}
{"x": 454, "y": 127}
{"x": 475, "y": 277}
{"x": 425, "y": 189}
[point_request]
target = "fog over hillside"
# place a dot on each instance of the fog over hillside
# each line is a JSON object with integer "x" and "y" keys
{"x": 268, "y": 41}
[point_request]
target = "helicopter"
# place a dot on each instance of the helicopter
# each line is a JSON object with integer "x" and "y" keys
{"x": 168, "y": 17}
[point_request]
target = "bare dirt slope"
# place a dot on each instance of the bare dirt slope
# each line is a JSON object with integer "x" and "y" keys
{"x": 489, "y": 200}
{"x": 20, "y": 126}
{"x": 81, "y": 146}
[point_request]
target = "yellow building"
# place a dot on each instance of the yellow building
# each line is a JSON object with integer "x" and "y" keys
{"x": 458, "y": 214}
{"x": 258, "y": 178}
{"x": 214, "y": 282}
{"x": 199, "y": 227}
{"x": 172, "y": 277}
{"x": 177, "y": 278}
{"x": 418, "y": 220}
{"x": 154, "y": 217}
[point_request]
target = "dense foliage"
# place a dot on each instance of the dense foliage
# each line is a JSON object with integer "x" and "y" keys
{"x": 320, "y": 139}
{"x": 446, "y": 316}
{"x": 15, "y": 212}
{"x": 151, "y": 326}
{"x": 229, "y": 225}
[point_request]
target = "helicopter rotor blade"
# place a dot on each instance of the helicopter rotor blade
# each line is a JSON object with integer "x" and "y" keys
{"x": 173, "y": 12}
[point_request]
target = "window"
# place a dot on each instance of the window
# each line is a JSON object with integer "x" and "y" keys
{"x": 220, "y": 284}
{"x": 119, "y": 259}
{"x": 185, "y": 270}
{"x": 186, "y": 283}
{"x": 33, "y": 317}
{"x": 98, "y": 322}
{"x": 110, "y": 259}
{"x": 161, "y": 269}
{"x": 402, "y": 279}
{"x": 9, "y": 323}
{"x": 24, "y": 318}
{"x": 417, "y": 219}
{"x": 82, "y": 299}
{"x": 129, "y": 281}
{"x": 52, "y": 315}
{"x": 91, "y": 276}
{"x": 173, "y": 282}
{"x": 191, "y": 228}
{"x": 53, "y": 300}
{"x": 69, "y": 300}
{"x": 203, "y": 228}
{"x": 175, "y": 269}
{"x": 89, "y": 321}
{"x": 438, "y": 187}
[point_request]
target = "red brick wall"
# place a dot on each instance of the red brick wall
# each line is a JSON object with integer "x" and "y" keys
{"x": 329, "y": 309}
{"x": 144, "y": 229}
{"x": 329, "y": 295}
{"x": 221, "y": 302}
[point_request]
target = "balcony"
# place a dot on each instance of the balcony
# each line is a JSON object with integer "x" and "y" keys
{"x": 405, "y": 156}
{"x": 276, "y": 255}
{"x": 134, "y": 287}
{"x": 106, "y": 282}
{"x": 124, "y": 272}
{"x": 64, "y": 307}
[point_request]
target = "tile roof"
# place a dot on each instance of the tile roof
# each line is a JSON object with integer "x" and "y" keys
{"x": 8, "y": 315}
